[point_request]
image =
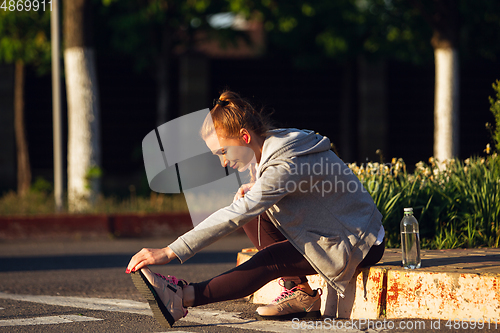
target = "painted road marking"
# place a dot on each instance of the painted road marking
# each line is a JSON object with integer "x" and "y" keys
{"x": 104, "y": 304}
{"x": 199, "y": 316}
{"x": 64, "y": 319}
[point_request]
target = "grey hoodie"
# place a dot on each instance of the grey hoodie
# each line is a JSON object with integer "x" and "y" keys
{"x": 311, "y": 196}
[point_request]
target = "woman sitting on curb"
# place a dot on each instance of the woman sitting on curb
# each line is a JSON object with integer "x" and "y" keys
{"x": 303, "y": 223}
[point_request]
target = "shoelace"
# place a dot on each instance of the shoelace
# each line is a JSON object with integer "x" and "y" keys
{"x": 171, "y": 279}
{"x": 289, "y": 292}
{"x": 175, "y": 281}
{"x": 285, "y": 294}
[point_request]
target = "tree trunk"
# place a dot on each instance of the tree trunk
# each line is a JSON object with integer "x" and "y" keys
{"x": 445, "y": 23}
{"x": 83, "y": 106}
{"x": 446, "y": 122}
{"x": 443, "y": 17}
{"x": 8, "y": 166}
{"x": 23, "y": 161}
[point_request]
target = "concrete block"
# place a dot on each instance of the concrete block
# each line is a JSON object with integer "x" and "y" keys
{"x": 442, "y": 295}
{"x": 245, "y": 254}
{"x": 365, "y": 295}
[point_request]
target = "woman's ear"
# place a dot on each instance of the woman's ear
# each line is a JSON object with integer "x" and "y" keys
{"x": 245, "y": 135}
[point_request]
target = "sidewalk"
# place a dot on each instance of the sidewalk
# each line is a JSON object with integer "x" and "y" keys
{"x": 462, "y": 284}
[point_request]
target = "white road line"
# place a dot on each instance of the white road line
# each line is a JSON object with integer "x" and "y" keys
{"x": 205, "y": 317}
{"x": 46, "y": 320}
{"x": 104, "y": 304}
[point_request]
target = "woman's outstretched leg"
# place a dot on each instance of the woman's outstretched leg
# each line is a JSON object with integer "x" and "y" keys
{"x": 169, "y": 297}
{"x": 276, "y": 260}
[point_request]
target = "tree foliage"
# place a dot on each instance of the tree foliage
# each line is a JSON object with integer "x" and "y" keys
{"x": 139, "y": 28}
{"x": 476, "y": 24}
{"x": 480, "y": 29}
{"x": 312, "y": 31}
{"x": 495, "y": 109}
{"x": 315, "y": 31}
{"x": 25, "y": 35}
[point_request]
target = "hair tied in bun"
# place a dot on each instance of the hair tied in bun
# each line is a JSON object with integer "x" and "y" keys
{"x": 221, "y": 103}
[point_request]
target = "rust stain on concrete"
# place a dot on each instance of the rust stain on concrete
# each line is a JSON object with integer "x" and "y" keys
{"x": 437, "y": 295}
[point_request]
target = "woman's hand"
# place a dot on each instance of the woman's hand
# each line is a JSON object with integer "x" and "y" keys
{"x": 146, "y": 257}
{"x": 242, "y": 190}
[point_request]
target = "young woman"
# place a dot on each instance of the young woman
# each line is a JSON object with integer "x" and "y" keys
{"x": 304, "y": 210}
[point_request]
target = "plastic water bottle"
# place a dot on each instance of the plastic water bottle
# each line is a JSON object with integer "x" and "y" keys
{"x": 410, "y": 240}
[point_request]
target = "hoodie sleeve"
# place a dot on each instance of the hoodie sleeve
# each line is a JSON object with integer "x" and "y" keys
{"x": 266, "y": 192}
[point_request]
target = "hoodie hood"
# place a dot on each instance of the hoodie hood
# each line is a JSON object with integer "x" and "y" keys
{"x": 283, "y": 144}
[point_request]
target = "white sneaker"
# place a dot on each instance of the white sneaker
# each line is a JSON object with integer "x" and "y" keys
{"x": 292, "y": 303}
{"x": 164, "y": 295}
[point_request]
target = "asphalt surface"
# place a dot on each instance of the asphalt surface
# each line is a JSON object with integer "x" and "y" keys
{"x": 58, "y": 271}
{"x": 96, "y": 268}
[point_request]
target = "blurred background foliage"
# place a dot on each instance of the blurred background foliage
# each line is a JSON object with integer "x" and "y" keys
{"x": 457, "y": 206}
{"x": 25, "y": 36}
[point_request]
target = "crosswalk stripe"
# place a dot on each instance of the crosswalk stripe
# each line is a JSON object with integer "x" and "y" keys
{"x": 104, "y": 304}
{"x": 46, "y": 320}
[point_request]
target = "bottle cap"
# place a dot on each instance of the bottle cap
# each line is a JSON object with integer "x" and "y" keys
{"x": 408, "y": 209}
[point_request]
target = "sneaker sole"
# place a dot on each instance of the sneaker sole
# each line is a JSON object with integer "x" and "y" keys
{"x": 290, "y": 316}
{"x": 160, "y": 312}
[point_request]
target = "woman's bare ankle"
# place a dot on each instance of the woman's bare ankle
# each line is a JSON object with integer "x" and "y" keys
{"x": 188, "y": 296}
{"x": 305, "y": 287}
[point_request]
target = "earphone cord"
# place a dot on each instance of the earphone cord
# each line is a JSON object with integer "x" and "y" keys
{"x": 258, "y": 229}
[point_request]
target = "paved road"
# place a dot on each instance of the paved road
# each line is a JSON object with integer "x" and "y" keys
{"x": 80, "y": 286}
{"x": 93, "y": 269}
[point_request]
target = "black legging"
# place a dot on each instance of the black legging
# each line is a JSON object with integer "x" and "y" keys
{"x": 277, "y": 257}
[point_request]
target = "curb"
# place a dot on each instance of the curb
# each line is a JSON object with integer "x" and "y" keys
{"x": 391, "y": 292}
{"x": 93, "y": 225}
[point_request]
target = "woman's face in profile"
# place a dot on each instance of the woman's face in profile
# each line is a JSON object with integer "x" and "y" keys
{"x": 233, "y": 152}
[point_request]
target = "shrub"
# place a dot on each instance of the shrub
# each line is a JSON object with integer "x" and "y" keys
{"x": 456, "y": 203}
{"x": 495, "y": 109}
